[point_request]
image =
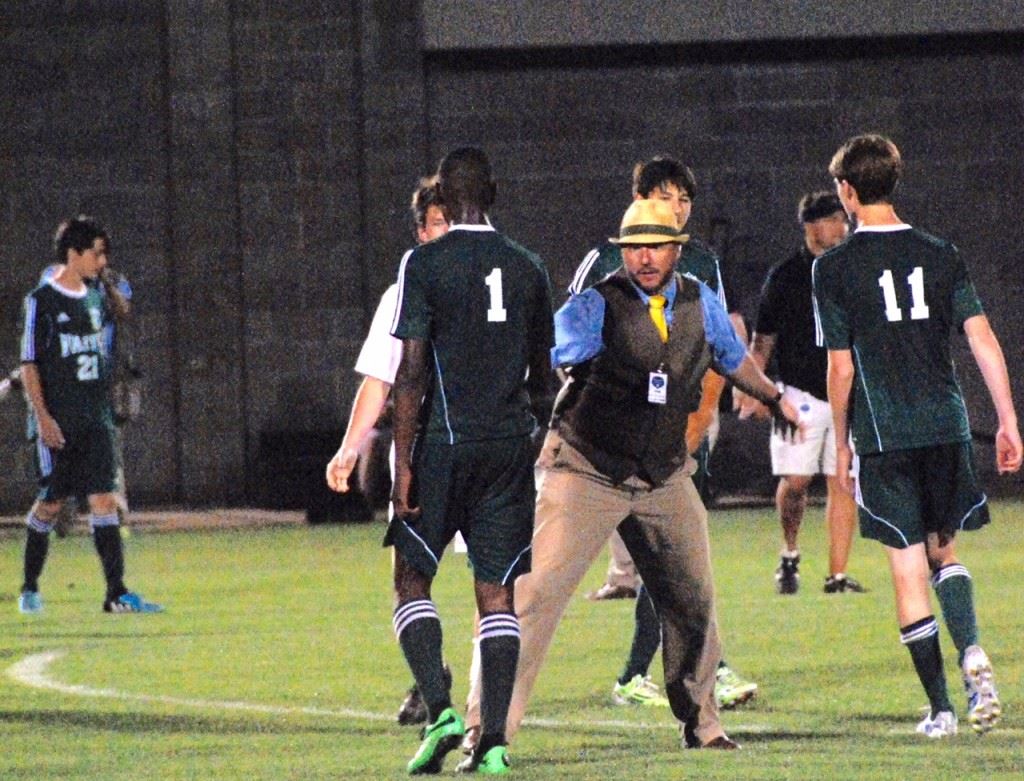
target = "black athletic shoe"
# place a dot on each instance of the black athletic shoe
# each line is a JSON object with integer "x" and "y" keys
{"x": 834, "y": 585}
{"x": 413, "y": 709}
{"x": 787, "y": 576}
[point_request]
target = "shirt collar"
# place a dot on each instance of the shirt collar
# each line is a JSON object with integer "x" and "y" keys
{"x": 461, "y": 226}
{"x": 669, "y": 292}
{"x": 882, "y": 228}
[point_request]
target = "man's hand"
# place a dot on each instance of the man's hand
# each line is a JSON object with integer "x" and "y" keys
{"x": 50, "y": 433}
{"x": 844, "y": 460}
{"x": 339, "y": 469}
{"x": 400, "y": 493}
{"x": 786, "y": 420}
{"x": 1008, "y": 450}
{"x": 749, "y": 407}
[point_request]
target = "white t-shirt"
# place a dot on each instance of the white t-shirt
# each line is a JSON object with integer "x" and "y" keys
{"x": 382, "y": 352}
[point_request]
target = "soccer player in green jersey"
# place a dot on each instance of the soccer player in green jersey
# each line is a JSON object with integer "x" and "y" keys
{"x": 474, "y": 316}
{"x": 886, "y": 301}
{"x": 65, "y": 368}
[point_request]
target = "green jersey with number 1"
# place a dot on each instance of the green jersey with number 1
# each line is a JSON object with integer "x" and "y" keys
{"x": 484, "y": 304}
{"x": 892, "y": 295}
{"x": 64, "y": 337}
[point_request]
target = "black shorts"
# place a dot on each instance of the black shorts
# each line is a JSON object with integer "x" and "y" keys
{"x": 84, "y": 466}
{"x": 905, "y": 495}
{"x": 484, "y": 490}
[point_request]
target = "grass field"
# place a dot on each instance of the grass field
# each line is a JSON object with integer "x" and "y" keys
{"x": 275, "y": 660}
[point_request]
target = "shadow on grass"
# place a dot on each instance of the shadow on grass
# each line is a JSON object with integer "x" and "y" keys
{"x": 178, "y": 724}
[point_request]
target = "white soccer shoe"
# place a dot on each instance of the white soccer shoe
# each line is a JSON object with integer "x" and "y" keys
{"x": 983, "y": 708}
{"x": 942, "y": 725}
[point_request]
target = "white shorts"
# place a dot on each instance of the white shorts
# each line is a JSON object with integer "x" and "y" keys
{"x": 816, "y": 454}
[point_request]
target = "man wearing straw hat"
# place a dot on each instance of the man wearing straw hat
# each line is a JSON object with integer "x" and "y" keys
{"x": 635, "y": 347}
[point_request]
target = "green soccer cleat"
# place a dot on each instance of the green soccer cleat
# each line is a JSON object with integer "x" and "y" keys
{"x": 439, "y": 738}
{"x": 639, "y": 690}
{"x": 731, "y": 690}
{"x": 494, "y": 763}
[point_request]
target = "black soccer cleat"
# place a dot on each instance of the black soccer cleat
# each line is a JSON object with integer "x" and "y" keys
{"x": 842, "y": 584}
{"x": 413, "y": 709}
{"x": 787, "y": 576}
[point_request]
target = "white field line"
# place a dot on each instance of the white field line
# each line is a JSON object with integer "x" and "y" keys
{"x": 33, "y": 671}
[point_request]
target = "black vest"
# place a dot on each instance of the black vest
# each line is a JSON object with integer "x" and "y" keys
{"x": 603, "y": 411}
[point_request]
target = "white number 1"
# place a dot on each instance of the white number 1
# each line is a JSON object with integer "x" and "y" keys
{"x": 918, "y": 310}
{"x": 496, "y": 313}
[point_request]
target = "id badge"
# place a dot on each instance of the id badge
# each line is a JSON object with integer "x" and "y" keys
{"x": 657, "y": 388}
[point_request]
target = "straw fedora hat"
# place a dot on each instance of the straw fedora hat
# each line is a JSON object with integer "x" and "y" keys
{"x": 649, "y": 221}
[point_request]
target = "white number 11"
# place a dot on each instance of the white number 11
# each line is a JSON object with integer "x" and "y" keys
{"x": 496, "y": 313}
{"x": 918, "y": 309}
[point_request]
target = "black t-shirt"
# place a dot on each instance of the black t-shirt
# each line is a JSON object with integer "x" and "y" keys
{"x": 787, "y": 312}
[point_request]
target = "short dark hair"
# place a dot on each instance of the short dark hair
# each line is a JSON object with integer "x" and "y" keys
{"x": 871, "y": 164}
{"x": 661, "y": 170}
{"x": 814, "y": 206}
{"x": 423, "y": 197}
{"x": 464, "y": 177}
{"x": 78, "y": 233}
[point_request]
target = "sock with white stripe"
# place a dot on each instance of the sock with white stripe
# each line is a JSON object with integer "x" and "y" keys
{"x": 106, "y": 536}
{"x": 952, "y": 585}
{"x": 922, "y": 640}
{"x": 37, "y": 545}
{"x": 499, "y": 655}
{"x": 418, "y": 629}
{"x": 646, "y": 637}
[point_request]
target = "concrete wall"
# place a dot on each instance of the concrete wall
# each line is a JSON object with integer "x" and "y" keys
{"x": 254, "y": 161}
{"x": 527, "y": 24}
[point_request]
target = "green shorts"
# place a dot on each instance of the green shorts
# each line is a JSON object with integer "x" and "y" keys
{"x": 84, "y": 466}
{"x": 905, "y": 495}
{"x": 484, "y": 490}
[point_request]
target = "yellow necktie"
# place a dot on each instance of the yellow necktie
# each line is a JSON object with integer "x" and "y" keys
{"x": 657, "y": 311}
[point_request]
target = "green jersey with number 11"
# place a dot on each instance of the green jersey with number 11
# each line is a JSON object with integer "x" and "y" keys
{"x": 892, "y": 295}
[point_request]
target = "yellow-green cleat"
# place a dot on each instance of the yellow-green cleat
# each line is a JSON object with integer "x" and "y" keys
{"x": 495, "y": 762}
{"x": 439, "y": 738}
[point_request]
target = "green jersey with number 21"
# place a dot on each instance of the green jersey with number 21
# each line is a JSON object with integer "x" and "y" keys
{"x": 63, "y": 336}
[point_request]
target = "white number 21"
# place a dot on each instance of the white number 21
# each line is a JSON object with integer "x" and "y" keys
{"x": 918, "y": 308}
{"x": 496, "y": 313}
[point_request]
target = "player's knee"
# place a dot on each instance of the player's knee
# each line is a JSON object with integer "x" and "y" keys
{"x": 102, "y": 504}
{"x": 47, "y": 511}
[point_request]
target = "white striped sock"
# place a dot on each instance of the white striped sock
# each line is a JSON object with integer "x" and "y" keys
{"x": 413, "y": 611}
{"x": 37, "y": 524}
{"x": 919, "y": 631}
{"x": 950, "y": 571}
{"x": 95, "y": 520}
{"x": 499, "y": 625}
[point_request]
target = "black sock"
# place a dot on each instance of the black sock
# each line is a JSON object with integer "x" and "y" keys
{"x": 922, "y": 640}
{"x": 499, "y": 656}
{"x": 646, "y": 638}
{"x": 37, "y": 545}
{"x": 418, "y": 629}
{"x": 952, "y": 585}
{"x": 106, "y": 536}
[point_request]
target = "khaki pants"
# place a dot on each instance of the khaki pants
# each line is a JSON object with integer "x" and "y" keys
{"x": 621, "y": 569}
{"x": 665, "y": 529}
